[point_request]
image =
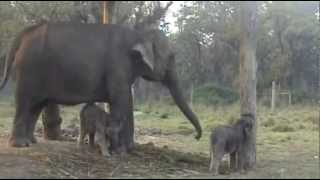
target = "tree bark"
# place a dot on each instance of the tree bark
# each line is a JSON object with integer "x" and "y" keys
{"x": 109, "y": 15}
{"x": 248, "y": 81}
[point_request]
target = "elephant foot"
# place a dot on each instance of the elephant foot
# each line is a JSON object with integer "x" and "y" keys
{"x": 130, "y": 147}
{"x": 106, "y": 154}
{"x": 33, "y": 140}
{"x": 131, "y": 151}
{"x": 52, "y": 133}
{"x": 215, "y": 173}
{"x": 120, "y": 150}
{"x": 243, "y": 171}
{"x": 18, "y": 142}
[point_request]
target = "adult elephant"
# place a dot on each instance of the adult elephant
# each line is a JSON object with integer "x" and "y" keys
{"x": 60, "y": 63}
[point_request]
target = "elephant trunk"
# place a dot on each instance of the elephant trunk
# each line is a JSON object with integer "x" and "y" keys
{"x": 171, "y": 81}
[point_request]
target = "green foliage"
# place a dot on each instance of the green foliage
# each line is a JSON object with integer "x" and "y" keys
{"x": 299, "y": 96}
{"x": 288, "y": 39}
{"x": 214, "y": 94}
{"x": 207, "y": 41}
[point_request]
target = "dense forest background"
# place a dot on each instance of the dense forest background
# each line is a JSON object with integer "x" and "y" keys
{"x": 206, "y": 43}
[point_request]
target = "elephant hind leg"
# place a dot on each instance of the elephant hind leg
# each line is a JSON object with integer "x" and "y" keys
{"x": 35, "y": 112}
{"x": 233, "y": 161}
{"x": 91, "y": 140}
{"x": 26, "y": 115}
{"x": 216, "y": 154}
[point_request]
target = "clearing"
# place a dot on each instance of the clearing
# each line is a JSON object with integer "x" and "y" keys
{"x": 287, "y": 147}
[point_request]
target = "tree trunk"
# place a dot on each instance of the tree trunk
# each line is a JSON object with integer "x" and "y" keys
{"x": 109, "y": 15}
{"x": 248, "y": 41}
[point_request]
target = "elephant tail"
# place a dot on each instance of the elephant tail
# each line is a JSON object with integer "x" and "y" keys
{"x": 9, "y": 59}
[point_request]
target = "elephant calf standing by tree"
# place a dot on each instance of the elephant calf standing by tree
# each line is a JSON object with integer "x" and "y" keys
{"x": 95, "y": 122}
{"x": 230, "y": 140}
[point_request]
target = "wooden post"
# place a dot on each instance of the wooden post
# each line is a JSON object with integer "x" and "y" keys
{"x": 105, "y": 13}
{"x": 132, "y": 91}
{"x": 289, "y": 93}
{"x": 273, "y": 96}
{"x": 248, "y": 67}
{"x": 108, "y": 15}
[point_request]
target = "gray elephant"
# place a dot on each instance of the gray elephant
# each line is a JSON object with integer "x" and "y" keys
{"x": 69, "y": 64}
{"x": 230, "y": 140}
{"x": 95, "y": 122}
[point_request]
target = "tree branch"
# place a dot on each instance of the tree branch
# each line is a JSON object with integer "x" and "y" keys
{"x": 158, "y": 12}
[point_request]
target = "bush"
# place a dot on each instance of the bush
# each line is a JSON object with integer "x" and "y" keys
{"x": 164, "y": 116}
{"x": 214, "y": 94}
{"x": 302, "y": 97}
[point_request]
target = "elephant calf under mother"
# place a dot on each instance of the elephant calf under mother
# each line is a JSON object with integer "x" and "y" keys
{"x": 70, "y": 64}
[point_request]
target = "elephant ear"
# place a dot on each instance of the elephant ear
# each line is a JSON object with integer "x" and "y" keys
{"x": 146, "y": 52}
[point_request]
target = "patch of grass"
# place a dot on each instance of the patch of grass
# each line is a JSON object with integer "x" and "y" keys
{"x": 301, "y": 126}
{"x": 164, "y": 116}
{"x": 232, "y": 119}
{"x": 312, "y": 119}
{"x": 283, "y": 128}
{"x": 269, "y": 122}
{"x": 285, "y": 139}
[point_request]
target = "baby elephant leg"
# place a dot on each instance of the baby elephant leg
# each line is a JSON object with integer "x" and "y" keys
{"x": 91, "y": 140}
{"x": 81, "y": 137}
{"x": 215, "y": 158}
{"x": 241, "y": 161}
{"x": 101, "y": 138}
{"x": 102, "y": 143}
{"x": 233, "y": 161}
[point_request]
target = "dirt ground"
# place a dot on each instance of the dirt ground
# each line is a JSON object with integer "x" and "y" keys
{"x": 153, "y": 158}
{"x": 165, "y": 148}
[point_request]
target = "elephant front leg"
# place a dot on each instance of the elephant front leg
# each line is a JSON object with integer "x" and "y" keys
{"x": 19, "y": 135}
{"x": 51, "y": 122}
{"x": 128, "y": 128}
{"x": 114, "y": 133}
{"x": 121, "y": 121}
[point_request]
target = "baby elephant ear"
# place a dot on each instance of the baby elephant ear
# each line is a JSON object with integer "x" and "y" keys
{"x": 146, "y": 53}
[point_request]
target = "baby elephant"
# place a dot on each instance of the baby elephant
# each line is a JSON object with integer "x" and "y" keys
{"x": 230, "y": 140}
{"x": 95, "y": 122}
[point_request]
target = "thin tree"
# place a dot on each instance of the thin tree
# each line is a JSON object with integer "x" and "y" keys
{"x": 248, "y": 42}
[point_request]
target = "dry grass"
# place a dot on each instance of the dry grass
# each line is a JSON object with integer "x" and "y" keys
{"x": 287, "y": 146}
